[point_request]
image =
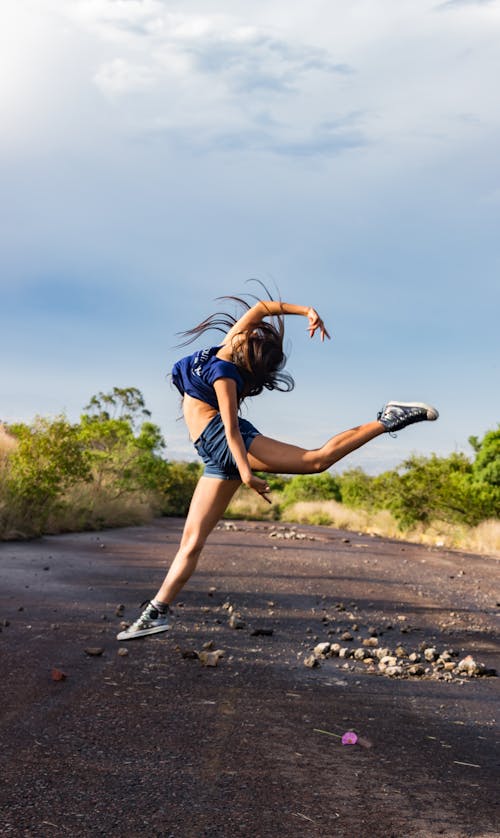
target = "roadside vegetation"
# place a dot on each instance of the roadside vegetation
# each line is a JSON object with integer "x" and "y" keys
{"x": 110, "y": 469}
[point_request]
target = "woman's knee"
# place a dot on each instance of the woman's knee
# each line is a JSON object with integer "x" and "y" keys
{"x": 192, "y": 543}
{"x": 316, "y": 461}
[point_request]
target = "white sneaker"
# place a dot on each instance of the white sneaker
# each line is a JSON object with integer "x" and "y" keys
{"x": 151, "y": 621}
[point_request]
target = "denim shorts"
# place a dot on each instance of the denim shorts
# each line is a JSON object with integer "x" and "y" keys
{"x": 213, "y": 449}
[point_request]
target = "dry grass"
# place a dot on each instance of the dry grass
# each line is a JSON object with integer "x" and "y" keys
{"x": 483, "y": 539}
{"x": 247, "y": 505}
{"x": 331, "y": 513}
{"x": 7, "y": 442}
{"x": 85, "y": 509}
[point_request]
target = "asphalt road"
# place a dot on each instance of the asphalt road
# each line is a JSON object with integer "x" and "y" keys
{"x": 153, "y": 743}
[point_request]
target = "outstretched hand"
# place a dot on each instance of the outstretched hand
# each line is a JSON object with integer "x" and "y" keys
{"x": 260, "y": 486}
{"x": 315, "y": 324}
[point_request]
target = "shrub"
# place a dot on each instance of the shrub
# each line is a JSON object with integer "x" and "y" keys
{"x": 303, "y": 487}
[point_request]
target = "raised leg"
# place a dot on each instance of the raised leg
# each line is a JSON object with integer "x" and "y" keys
{"x": 208, "y": 504}
{"x": 270, "y": 455}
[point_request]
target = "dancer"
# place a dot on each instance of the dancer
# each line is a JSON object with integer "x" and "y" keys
{"x": 213, "y": 383}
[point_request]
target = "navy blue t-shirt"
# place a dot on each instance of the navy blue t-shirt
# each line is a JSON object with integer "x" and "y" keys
{"x": 195, "y": 375}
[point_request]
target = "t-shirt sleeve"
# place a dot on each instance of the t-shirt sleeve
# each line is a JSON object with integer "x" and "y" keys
{"x": 223, "y": 369}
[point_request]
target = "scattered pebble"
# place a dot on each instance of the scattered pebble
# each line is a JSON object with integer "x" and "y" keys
{"x": 58, "y": 675}
{"x": 235, "y": 622}
{"x": 122, "y": 652}
{"x": 94, "y": 651}
{"x": 211, "y": 658}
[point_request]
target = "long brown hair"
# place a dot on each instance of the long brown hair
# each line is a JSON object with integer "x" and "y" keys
{"x": 259, "y": 356}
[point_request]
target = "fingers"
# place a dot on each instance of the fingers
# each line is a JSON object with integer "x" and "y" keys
{"x": 314, "y": 326}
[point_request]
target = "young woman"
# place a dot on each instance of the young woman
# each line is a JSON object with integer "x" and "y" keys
{"x": 213, "y": 383}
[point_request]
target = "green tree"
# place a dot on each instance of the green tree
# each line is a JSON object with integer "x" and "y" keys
{"x": 125, "y": 451}
{"x": 486, "y": 465}
{"x": 304, "y": 487}
{"x": 356, "y": 488}
{"x": 48, "y": 459}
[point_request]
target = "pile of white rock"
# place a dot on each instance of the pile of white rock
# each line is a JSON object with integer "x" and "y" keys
{"x": 427, "y": 662}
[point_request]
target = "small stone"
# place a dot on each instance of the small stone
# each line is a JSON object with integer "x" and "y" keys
{"x": 449, "y": 666}
{"x": 334, "y": 649}
{"x": 211, "y": 658}
{"x": 415, "y": 657}
{"x": 346, "y": 635}
{"x": 372, "y": 631}
{"x": 311, "y": 661}
{"x": 346, "y": 541}
{"x": 57, "y": 675}
{"x": 370, "y": 641}
{"x": 468, "y": 666}
{"x": 321, "y": 650}
{"x": 122, "y": 652}
{"x": 382, "y": 653}
{"x": 416, "y": 669}
{"x": 401, "y": 652}
{"x": 208, "y": 645}
{"x": 444, "y": 657}
{"x": 430, "y": 654}
{"x": 343, "y": 652}
{"x": 54, "y": 626}
{"x": 93, "y": 651}
{"x": 211, "y": 591}
{"x": 393, "y": 671}
{"x": 124, "y": 625}
{"x": 360, "y": 654}
{"x": 236, "y": 622}
{"x": 119, "y": 610}
{"x": 389, "y": 660}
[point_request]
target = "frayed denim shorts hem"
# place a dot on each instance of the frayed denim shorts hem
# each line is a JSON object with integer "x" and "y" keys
{"x": 213, "y": 449}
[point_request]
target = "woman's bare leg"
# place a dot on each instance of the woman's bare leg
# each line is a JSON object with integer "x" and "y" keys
{"x": 208, "y": 504}
{"x": 269, "y": 455}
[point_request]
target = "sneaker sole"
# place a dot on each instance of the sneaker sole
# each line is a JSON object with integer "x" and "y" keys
{"x": 125, "y": 635}
{"x": 432, "y": 413}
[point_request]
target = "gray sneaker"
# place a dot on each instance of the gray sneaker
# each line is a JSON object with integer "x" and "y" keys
{"x": 397, "y": 415}
{"x": 151, "y": 621}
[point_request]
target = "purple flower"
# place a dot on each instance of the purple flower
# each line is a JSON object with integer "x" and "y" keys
{"x": 349, "y": 738}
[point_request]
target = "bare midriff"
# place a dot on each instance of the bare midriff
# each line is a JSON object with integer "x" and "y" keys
{"x": 197, "y": 415}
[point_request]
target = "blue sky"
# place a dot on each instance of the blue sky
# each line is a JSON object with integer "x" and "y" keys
{"x": 155, "y": 155}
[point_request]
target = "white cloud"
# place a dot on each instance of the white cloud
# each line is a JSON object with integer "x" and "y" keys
{"x": 120, "y": 76}
{"x": 172, "y": 68}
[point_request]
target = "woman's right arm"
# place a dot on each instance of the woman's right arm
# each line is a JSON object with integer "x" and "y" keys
{"x": 269, "y": 308}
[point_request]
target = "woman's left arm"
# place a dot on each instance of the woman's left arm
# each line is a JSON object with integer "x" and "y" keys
{"x": 272, "y": 308}
{"x": 225, "y": 390}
